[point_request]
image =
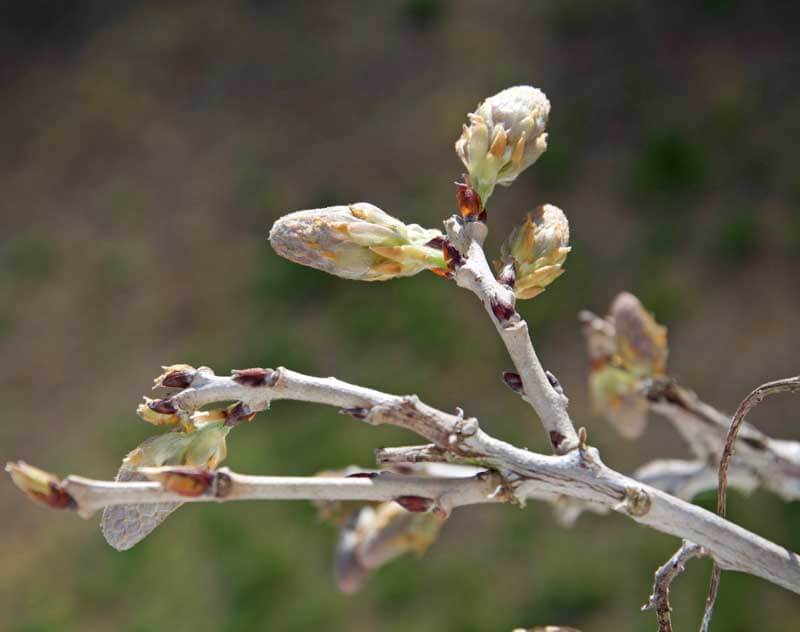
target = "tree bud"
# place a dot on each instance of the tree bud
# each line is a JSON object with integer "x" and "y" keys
{"x": 505, "y": 136}
{"x": 358, "y": 242}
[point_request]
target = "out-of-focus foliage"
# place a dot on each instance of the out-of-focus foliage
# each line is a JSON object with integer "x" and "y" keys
{"x": 147, "y": 147}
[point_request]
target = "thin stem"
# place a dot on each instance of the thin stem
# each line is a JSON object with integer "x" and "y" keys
{"x": 791, "y": 385}
{"x": 664, "y": 576}
{"x": 475, "y": 275}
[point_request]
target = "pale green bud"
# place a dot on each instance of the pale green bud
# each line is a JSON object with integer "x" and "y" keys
{"x": 506, "y": 135}
{"x": 538, "y": 249}
{"x": 358, "y": 241}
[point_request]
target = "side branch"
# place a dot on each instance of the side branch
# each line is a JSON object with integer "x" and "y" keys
{"x": 475, "y": 275}
{"x": 182, "y": 484}
{"x": 665, "y": 575}
{"x": 579, "y": 475}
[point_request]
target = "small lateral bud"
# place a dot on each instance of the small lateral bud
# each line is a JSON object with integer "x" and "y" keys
{"x": 507, "y": 275}
{"x": 159, "y": 412}
{"x": 554, "y": 382}
{"x": 358, "y": 412}
{"x": 513, "y": 381}
{"x": 186, "y": 481}
{"x": 501, "y": 310}
{"x": 415, "y": 504}
{"x": 237, "y": 413}
{"x": 255, "y": 377}
{"x": 468, "y": 201}
{"x": 40, "y": 486}
{"x": 175, "y": 376}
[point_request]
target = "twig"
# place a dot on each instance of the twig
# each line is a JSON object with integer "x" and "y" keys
{"x": 580, "y": 474}
{"x": 664, "y": 576}
{"x": 791, "y": 384}
{"x": 224, "y": 485}
{"x": 775, "y": 463}
{"x": 687, "y": 479}
{"x": 475, "y": 274}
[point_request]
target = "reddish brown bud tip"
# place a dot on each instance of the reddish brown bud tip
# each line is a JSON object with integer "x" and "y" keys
{"x": 507, "y": 275}
{"x": 502, "y": 311}
{"x": 237, "y": 413}
{"x": 452, "y": 256}
{"x": 255, "y": 377}
{"x": 175, "y": 376}
{"x": 513, "y": 381}
{"x": 40, "y": 486}
{"x": 163, "y": 406}
{"x": 358, "y": 412}
{"x": 415, "y": 504}
{"x": 469, "y": 202}
{"x": 556, "y": 438}
{"x": 436, "y": 242}
{"x": 554, "y": 382}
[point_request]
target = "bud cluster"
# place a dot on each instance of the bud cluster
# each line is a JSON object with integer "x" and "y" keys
{"x": 533, "y": 255}
{"x": 358, "y": 241}
{"x": 505, "y": 136}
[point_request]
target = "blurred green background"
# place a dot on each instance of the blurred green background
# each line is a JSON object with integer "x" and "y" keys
{"x": 148, "y": 146}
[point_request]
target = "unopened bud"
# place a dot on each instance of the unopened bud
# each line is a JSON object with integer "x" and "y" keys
{"x": 505, "y": 136}
{"x": 39, "y": 485}
{"x": 255, "y": 377}
{"x": 537, "y": 249}
{"x": 469, "y": 202}
{"x": 641, "y": 341}
{"x": 175, "y": 376}
{"x": 159, "y": 412}
{"x": 358, "y": 242}
{"x": 513, "y": 381}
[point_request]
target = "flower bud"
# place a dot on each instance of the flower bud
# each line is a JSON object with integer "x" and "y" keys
{"x": 358, "y": 242}
{"x": 39, "y": 485}
{"x": 175, "y": 376}
{"x": 159, "y": 412}
{"x": 537, "y": 248}
{"x": 641, "y": 341}
{"x": 505, "y": 136}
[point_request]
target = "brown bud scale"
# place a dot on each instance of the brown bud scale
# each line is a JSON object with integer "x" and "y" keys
{"x": 255, "y": 377}
{"x": 415, "y": 504}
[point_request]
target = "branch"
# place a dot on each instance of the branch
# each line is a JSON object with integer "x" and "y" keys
{"x": 183, "y": 484}
{"x": 475, "y": 275}
{"x": 687, "y": 479}
{"x": 665, "y": 575}
{"x": 775, "y": 463}
{"x": 790, "y": 385}
{"x": 579, "y": 475}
